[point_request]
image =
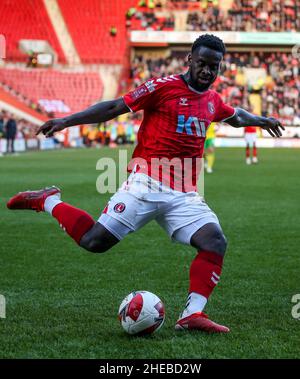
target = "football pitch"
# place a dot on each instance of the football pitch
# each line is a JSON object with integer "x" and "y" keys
{"x": 62, "y": 302}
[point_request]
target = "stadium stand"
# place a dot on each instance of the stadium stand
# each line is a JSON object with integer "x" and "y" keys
{"x": 203, "y": 15}
{"x": 266, "y": 83}
{"x": 20, "y": 106}
{"x": 26, "y": 20}
{"x": 93, "y": 39}
{"x": 58, "y": 92}
{"x": 145, "y": 17}
{"x": 246, "y": 15}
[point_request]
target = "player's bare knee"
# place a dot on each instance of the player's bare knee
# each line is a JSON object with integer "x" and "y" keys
{"x": 98, "y": 239}
{"x": 93, "y": 245}
{"x": 210, "y": 238}
{"x": 217, "y": 243}
{"x": 87, "y": 243}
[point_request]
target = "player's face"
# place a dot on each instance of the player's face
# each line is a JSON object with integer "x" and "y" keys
{"x": 204, "y": 64}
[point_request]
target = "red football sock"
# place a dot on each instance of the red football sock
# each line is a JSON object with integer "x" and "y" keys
{"x": 247, "y": 152}
{"x": 254, "y": 151}
{"x": 74, "y": 221}
{"x": 205, "y": 272}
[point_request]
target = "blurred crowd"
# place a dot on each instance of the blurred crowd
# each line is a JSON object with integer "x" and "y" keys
{"x": 275, "y": 89}
{"x": 247, "y": 15}
{"x": 215, "y": 15}
{"x": 116, "y": 132}
{"x": 14, "y": 127}
{"x": 8, "y": 130}
{"x": 270, "y": 87}
{"x": 122, "y": 130}
{"x": 145, "y": 16}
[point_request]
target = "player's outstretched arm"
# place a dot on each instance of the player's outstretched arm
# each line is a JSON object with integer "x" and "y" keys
{"x": 104, "y": 111}
{"x": 243, "y": 118}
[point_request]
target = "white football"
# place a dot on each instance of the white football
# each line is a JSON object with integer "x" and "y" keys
{"x": 141, "y": 313}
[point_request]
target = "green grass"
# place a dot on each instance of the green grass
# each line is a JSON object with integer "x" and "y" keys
{"x": 62, "y": 302}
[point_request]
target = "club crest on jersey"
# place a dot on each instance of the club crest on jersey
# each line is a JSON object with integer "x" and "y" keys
{"x": 183, "y": 101}
{"x": 211, "y": 107}
{"x": 119, "y": 207}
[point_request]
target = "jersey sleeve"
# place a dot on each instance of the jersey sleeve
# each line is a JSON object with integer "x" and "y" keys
{"x": 142, "y": 97}
{"x": 223, "y": 111}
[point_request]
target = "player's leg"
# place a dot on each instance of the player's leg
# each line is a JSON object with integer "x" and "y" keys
{"x": 205, "y": 272}
{"x": 206, "y": 268}
{"x": 193, "y": 223}
{"x": 98, "y": 239}
{"x": 12, "y": 141}
{"x": 254, "y": 156}
{"x": 77, "y": 223}
{"x": 124, "y": 213}
{"x": 7, "y": 144}
{"x": 210, "y": 156}
{"x": 248, "y": 158}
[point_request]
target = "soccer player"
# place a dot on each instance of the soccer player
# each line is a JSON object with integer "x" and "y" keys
{"x": 177, "y": 112}
{"x": 209, "y": 148}
{"x": 250, "y": 138}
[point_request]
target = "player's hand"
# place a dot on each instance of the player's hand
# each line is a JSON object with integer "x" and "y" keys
{"x": 273, "y": 126}
{"x": 52, "y": 126}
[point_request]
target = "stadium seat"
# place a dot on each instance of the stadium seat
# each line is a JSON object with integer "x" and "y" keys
{"x": 26, "y": 20}
{"x": 89, "y": 24}
{"x": 72, "y": 91}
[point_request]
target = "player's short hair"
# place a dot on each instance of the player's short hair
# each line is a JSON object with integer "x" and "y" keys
{"x": 210, "y": 41}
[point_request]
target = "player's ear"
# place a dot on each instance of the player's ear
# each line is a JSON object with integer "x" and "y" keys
{"x": 189, "y": 59}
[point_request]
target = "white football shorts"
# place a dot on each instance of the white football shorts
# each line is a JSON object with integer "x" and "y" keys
{"x": 142, "y": 199}
{"x": 250, "y": 138}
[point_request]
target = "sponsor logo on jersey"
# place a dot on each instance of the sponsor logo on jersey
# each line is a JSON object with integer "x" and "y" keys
{"x": 183, "y": 101}
{"x": 211, "y": 107}
{"x": 188, "y": 126}
{"x": 119, "y": 207}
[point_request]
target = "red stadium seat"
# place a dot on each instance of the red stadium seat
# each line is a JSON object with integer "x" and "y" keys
{"x": 89, "y": 24}
{"x": 26, "y": 19}
{"x": 75, "y": 90}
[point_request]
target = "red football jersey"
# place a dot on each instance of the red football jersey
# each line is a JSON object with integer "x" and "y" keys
{"x": 250, "y": 129}
{"x": 174, "y": 126}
